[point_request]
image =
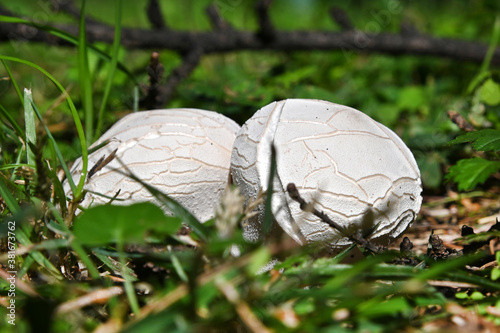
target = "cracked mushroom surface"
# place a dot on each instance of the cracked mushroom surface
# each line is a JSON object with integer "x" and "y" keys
{"x": 356, "y": 170}
{"x": 185, "y": 153}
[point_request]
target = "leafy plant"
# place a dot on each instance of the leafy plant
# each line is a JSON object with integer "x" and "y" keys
{"x": 468, "y": 173}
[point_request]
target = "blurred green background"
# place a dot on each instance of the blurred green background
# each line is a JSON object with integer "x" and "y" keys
{"x": 410, "y": 94}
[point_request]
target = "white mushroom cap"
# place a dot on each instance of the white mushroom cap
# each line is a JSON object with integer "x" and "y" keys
{"x": 356, "y": 170}
{"x": 184, "y": 153}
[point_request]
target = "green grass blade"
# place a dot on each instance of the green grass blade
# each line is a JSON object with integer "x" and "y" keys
{"x": 178, "y": 268}
{"x": 12, "y": 122}
{"x": 30, "y": 126}
{"x": 444, "y": 267}
{"x": 84, "y": 77}
{"x": 176, "y": 208}
{"x": 94, "y": 273}
{"x": 8, "y": 198}
{"x": 57, "y": 150}
{"x": 13, "y": 166}
{"x": 51, "y": 244}
{"x": 83, "y": 143}
{"x": 127, "y": 284}
{"x": 113, "y": 265}
{"x": 59, "y": 193}
{"x": 23, "y": 270}
{"x": 23, "y": 239}
{"x": 69, "y": 38}
{"x": 483, "y": 71}
{"x": 482, "y": 282}
{"x": 355, "y": 272}
{"x": 14, "y": 82}
{"x": 113, "y": 66}
{"x": 493, "y": 43}
{"x": 136, "y": 98}
{"x": 268, "y": 214}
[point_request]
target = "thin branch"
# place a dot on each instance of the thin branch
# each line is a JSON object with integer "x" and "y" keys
{"x": 25, "y": 287}
{"x": 408, "y": 29}
{"x": 226, "y": 39}
{"x": 93, "y": 297}
{"x": 70, "y": 8}
{"x": 349, "y": 41}
{"x": 155, "y": 16}
{"x": 294, "y": 194}
{"x": 101, "y": 163}
{"x": 460, "y": 121}
{"x": 341, "y": 17}
{"x": 242, "y": 308}
{"x": 266, "y": 32}
{"x": 217, "y": 21}
{"x": 189, "y": 63}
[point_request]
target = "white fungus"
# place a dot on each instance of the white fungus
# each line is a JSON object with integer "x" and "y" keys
{"x": 185, "y": 153}
{"x": 356, "y": 170}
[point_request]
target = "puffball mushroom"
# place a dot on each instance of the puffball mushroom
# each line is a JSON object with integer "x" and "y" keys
{"x": 356, "y": 170}
{"x": 185, "y": 153}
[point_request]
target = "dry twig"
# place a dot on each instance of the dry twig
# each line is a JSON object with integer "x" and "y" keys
{"x": 155, "y": 73}
{"x": 293, "y": 192}
{"x": 98, "y": 296}
{"x": 460, "y": 121}
{"x": 155, "y": 17}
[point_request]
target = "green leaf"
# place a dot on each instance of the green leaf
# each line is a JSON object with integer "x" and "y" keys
{"x": 467, "y": 173}
{"x": 489, "y": 92}
{"x": 101, "y": 225}
{"x": 483, "y": 140}
{"x": 85, "y": 77}
{"x": 495, "y": 273}
{"x": 476, "y": 295}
